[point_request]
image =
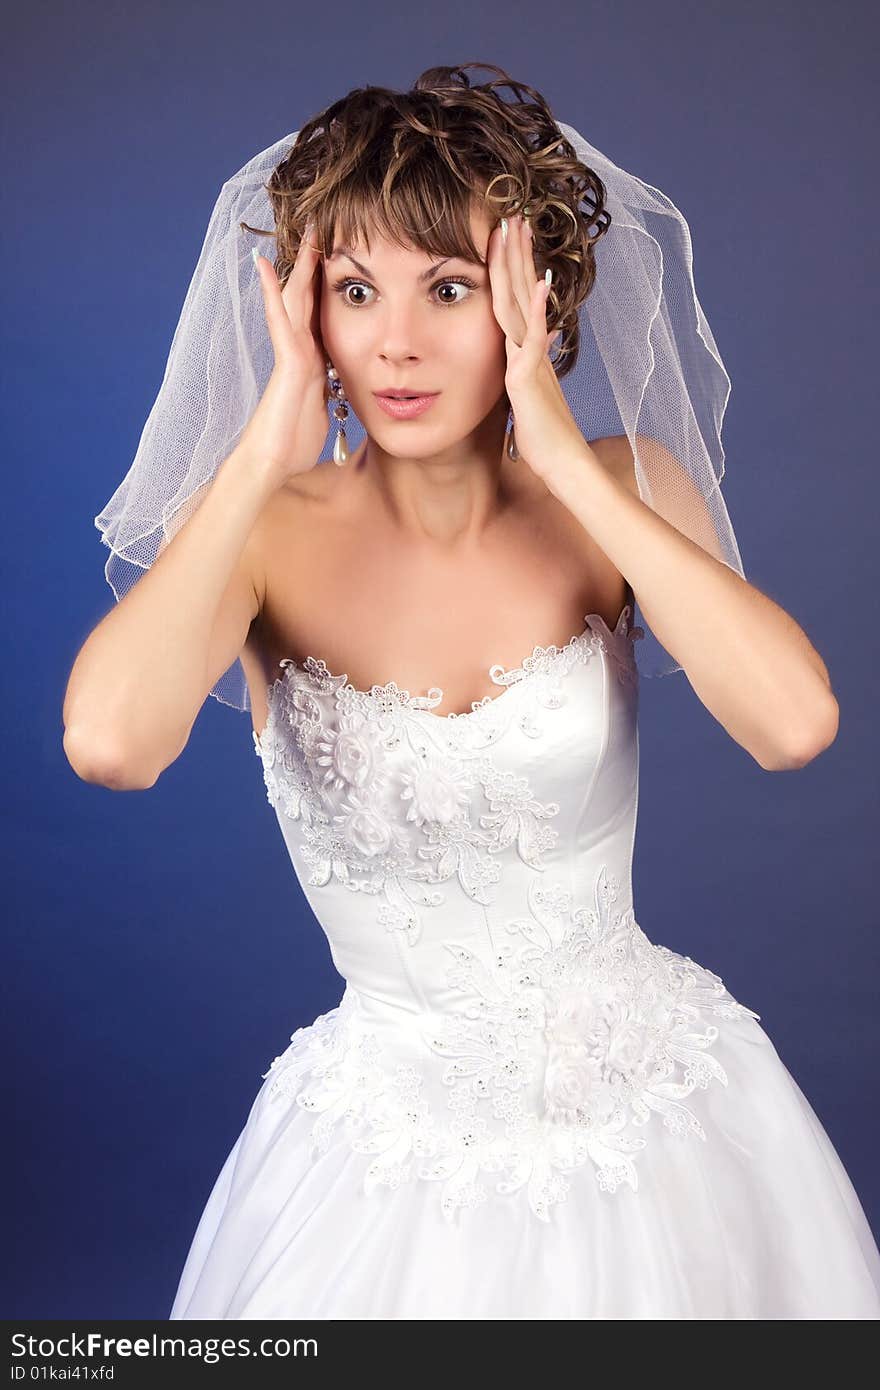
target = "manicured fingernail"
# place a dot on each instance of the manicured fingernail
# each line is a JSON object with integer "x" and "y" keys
{"x": 548, "y": 277}
{"x": 254, "y": 255}
{"x": 504, "y": 229}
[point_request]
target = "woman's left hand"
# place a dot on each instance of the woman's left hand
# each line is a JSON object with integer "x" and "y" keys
{"x": 544, "y": 427}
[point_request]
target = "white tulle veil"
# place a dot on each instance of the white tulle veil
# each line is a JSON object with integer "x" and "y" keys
{"x": 648, "y": 367}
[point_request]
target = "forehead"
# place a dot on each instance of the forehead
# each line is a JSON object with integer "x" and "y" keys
{"x": 356, "y": 245}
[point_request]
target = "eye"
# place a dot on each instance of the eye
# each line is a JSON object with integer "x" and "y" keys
{"x": 342, "y": 286}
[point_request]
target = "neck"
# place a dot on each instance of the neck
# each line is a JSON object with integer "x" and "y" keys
{"x": 450, "y": 497}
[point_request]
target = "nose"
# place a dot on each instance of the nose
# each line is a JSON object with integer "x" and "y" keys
{"x": 403, "y": 331}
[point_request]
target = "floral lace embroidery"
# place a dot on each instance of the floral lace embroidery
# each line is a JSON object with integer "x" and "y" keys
{"x": 571, "y": 1038}
{"x": 309, "y": 759}
{"x": 579, "y": 1003}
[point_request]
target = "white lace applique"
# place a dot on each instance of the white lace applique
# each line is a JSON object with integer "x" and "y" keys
{"x": 331, "y": 758}
{"x": 550, "y": 664}
{"x": 547, "y": 667}
{"x": 618, "y": 644}
{"x": 578, "y": 1031}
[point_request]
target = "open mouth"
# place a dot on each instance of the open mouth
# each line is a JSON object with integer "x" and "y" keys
{"x": 405, "y": 407}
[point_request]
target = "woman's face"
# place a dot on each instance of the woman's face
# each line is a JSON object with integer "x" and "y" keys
{"x": 393, "y": 321}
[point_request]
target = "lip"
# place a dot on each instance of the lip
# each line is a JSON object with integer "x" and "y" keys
{"x": 405, "y": 410}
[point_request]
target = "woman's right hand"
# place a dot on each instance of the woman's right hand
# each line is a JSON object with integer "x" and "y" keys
{"x": 288, "y": 428}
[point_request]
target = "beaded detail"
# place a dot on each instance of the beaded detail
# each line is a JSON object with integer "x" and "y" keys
{"x": 563, "y": 1029}
{"x": 549, "y": 661}
{"x": 581, "y": 1030}
{"x": 371, "y": 750}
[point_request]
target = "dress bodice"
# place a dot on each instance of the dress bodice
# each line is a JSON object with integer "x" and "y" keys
{"x": 503, "y": 1012}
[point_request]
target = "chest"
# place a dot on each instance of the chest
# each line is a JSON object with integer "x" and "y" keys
{"x": 372, "y": 786}
{"x": 379, "y": 609}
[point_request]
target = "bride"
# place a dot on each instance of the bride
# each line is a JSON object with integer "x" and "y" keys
{"x": 433, "y": 637}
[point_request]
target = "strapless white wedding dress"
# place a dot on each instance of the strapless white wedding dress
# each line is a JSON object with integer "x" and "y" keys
{"x": 522, "y": 1106}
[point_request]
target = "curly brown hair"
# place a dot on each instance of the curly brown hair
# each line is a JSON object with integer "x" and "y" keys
{"x": 414, "y": 164}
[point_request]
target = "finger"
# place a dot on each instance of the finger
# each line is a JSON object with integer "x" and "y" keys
{"x": 537, "y": 335}
{"x": 531, "y": 276}
{"x": 299, "y": 292}
{"x": 531, "y": 353}
{"x": 273, "y": 305}
{"x": 504, "y": 304}
{"x": 548, "y": 366}
{"x": 521, "y": 286}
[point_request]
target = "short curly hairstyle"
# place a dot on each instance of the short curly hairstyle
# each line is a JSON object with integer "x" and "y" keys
{"x": 415, "y": 164}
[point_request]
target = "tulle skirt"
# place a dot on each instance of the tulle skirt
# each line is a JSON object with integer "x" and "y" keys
{"x": 759, "y": 1220}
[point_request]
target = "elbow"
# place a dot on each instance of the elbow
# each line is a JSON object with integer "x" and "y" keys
{"x": 798, "y": 751}
{"x": 97, "y": 761}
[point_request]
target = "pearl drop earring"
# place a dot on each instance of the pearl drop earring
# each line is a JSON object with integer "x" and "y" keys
{"x": 340, "y": 412}
{"x": 510, "y": 441}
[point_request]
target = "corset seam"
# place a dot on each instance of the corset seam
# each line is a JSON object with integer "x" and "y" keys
{"x": 635, "y": 816}
{"x": 599, "y": 765}
{"x": 402, "y": 951}
{"x": 555, "y": 1032}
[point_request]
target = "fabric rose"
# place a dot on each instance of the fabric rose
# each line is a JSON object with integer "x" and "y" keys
{"x": 350, "y": 760}
{"x": 629, "y": 1046}
{"x": 436, "y": 795}
{"x": 367, "y": 831}
{"x": 571, "y": 1078}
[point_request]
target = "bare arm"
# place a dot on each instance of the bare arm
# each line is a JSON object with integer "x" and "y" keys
{"x": 146, "y": 669}
{"x": 747, "y": 659}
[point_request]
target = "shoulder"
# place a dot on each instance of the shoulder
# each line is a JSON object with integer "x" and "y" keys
{"x": 326, "y": 486}
{"x": 312, "y": 486}
{"x": 317, "y": 491}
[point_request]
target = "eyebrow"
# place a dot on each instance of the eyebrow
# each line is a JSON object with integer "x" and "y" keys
{"x": 425, "y": 275}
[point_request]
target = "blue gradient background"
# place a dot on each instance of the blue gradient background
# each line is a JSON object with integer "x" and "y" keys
{"x": 158, "y": 949}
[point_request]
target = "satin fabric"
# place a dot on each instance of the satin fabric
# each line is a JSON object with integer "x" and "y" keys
{"x": 522, "y": 1106}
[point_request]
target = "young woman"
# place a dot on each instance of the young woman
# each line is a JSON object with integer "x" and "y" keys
{"x": 522, "y": 1106}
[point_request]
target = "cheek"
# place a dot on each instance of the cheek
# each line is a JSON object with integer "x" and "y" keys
{"x": 347, "y": 337}
{"x": 471, "y": 348}
{"x": 480, "y": 356}
{"x": 329, "y": 322}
